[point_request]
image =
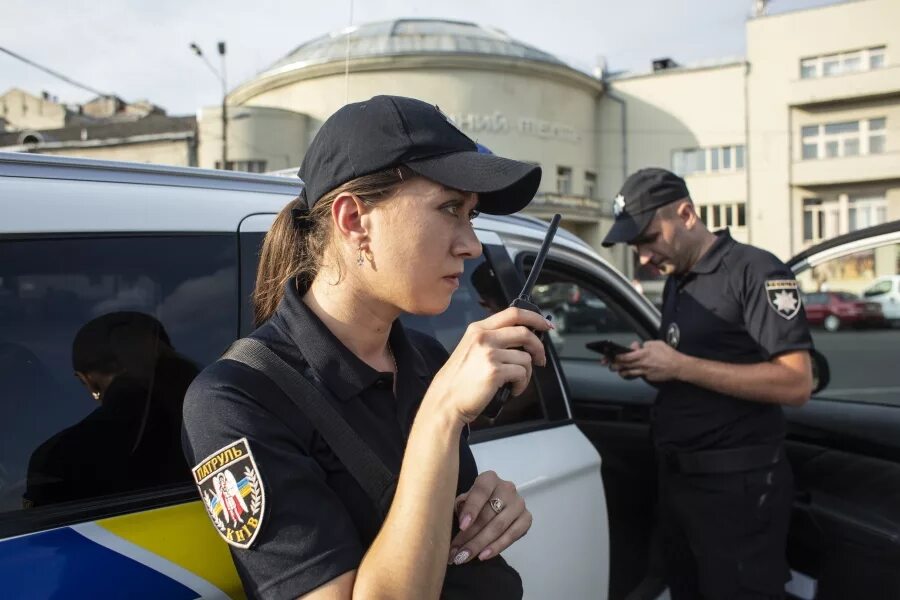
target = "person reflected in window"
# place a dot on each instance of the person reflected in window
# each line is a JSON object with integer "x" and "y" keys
{"x": 132, "y": 439}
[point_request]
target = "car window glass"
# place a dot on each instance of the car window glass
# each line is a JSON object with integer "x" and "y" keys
{"x": 879, "y": 288}
{"x": 584, "y": 312}
{"x": 857, "y": 332}
{"x": 580, "y": 316}
{"x": 99, "y": 339}
{"x": 479, "y": 295}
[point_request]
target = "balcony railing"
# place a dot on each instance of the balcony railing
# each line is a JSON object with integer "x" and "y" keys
{"x": 571, "y": 205}
{"x": 827, "y": 171}
{"x": 850, "y": 86}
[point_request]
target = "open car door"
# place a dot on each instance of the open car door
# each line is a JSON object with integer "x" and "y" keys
{"x": 844, "y": 444}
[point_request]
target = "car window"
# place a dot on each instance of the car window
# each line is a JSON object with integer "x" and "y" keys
{"x": 585, "y": 311}
{"x": 882, "y": 287}
{"x": 479, "y": 295}
{"x": 99, "y": 338}
{"x": 580, "y": 316}
{"x": 859, "y": 334}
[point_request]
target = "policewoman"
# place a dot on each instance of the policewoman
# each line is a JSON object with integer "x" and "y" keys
{"x": 383, "y": 227}
{"x": 733, "y": 348}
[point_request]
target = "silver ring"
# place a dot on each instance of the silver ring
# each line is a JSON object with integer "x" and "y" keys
{"x": 497, "y": 505}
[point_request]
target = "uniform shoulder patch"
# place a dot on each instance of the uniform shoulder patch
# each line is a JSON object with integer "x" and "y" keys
{"x": 784, "y": 297}
{"x": 232, "y": 491}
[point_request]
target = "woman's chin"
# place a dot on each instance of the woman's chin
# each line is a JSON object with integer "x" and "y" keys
{"x": 429, "y": 308}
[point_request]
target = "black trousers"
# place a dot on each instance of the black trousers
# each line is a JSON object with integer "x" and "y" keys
{"x": 725, "y": 535}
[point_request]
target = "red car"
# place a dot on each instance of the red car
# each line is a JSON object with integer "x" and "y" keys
{"x": 833, "y": 310}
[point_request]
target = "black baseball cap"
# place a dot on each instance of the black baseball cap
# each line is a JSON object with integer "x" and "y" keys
{"x": 389, "y": 131}
{"x": 642, "y": 194}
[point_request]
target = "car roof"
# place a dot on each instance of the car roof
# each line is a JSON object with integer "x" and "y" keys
{"x": 66, "y": 194}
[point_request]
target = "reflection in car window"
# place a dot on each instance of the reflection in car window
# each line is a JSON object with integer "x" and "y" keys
{"x": 580, "y": 316}
{"x": 856, "y": 328}
{"x": 99, "y": 338}
{"x": 479, "y": 296}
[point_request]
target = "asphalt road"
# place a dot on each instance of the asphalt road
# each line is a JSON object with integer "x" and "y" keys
{"x": 864, "y": 364}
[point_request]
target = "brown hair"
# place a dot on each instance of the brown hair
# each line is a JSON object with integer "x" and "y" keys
{"x": 296, "y": 250}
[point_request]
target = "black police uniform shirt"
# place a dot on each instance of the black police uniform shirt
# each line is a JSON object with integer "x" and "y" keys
{"x": 294, "y": 517}
{"x": 741, "y": 305}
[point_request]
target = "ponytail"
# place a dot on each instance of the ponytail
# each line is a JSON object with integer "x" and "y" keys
{"x": 296, "y": 251}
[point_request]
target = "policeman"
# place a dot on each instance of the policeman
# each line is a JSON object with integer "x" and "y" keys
{"x": 383, "y": 227}
{"x": 733, "y": 349}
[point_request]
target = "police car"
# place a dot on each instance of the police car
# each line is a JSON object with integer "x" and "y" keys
{"x": 82, "y": 515}
{"x": 95, "y": 512}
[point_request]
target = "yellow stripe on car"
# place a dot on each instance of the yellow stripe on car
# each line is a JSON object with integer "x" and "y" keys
{"x": 183, "y": 535}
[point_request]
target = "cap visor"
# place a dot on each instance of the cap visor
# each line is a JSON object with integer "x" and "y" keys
{"x": 504, "y": 186}
{"x": 627, "y": 228}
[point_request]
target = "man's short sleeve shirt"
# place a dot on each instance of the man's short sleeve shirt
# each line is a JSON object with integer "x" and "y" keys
{"x": 741, "y": 305}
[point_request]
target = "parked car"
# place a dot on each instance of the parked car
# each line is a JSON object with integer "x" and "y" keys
{"x": 836, "y": 310}
{"x": 81, "y": 238}
{"x": 886, "y": 291}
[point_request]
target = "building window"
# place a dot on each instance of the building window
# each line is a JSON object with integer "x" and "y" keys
{"x": 708, "y": 160}
{"x": 825, "y": 219}
{"x": 731, "y": 214}
{"x": 877, "y": 128}
{"x": 866, "y": 211}
{"x": 246, "y": 166}
{"x": 564, "y": 180}
{"x": 590, "y": 184}
{"x": 809, "y": 68}
{"x": 842, "y": 63}
{"x": 819, "y": 219}
{"x": 845, "y": 138}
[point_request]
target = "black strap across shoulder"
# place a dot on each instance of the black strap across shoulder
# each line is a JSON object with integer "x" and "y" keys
{"x": 360, "y": 460}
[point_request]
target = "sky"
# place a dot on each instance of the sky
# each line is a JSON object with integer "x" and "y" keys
{"x": 140, "y": 49}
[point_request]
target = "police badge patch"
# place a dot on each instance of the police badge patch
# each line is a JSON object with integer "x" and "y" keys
{"x": 232, "y": 491}
{"x": 618, "y": 205}
{"x": 784, "y": 297}
{"x": 673, "y": 335}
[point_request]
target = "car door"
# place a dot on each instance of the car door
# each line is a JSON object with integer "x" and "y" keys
{"x": 844, "y": 444}
{"x": 88, "y": 509}
{"x": 533, "y": 442}
{"x": 613, "y": 413}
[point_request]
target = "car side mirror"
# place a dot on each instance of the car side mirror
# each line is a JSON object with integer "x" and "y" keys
{"x": 821, "y": 372}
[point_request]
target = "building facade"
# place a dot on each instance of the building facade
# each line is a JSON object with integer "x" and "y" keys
{"x": 513, "y": 98}
{"x": 792, "y": 144}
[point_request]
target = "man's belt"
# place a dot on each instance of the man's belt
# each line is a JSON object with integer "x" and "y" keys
{"x": 731, "y": 460}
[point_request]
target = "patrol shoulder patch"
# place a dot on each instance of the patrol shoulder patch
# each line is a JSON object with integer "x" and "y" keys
{"x": 232, "y": 491}
{"x": 784, "y": 297}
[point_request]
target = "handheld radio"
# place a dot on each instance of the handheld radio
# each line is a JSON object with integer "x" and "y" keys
{"x": 524, "y": 301}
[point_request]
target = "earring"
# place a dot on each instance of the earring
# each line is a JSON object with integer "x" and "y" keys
{"x": 359, "y": 257}
{"x": 96, "y": 396}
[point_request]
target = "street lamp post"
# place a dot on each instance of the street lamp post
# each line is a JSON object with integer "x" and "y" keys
{"x": 221, "y": 77}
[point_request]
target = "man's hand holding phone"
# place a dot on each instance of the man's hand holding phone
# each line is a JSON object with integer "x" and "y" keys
{"x": 610, "y": 351}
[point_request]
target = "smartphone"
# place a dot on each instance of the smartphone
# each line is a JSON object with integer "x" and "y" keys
{"x": 607, "y": 348}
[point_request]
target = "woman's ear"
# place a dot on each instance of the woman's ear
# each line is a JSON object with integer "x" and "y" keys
{"x": 348, "y": 211}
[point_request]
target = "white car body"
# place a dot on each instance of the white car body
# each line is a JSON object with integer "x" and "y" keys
{"x": 556, "y": 468}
